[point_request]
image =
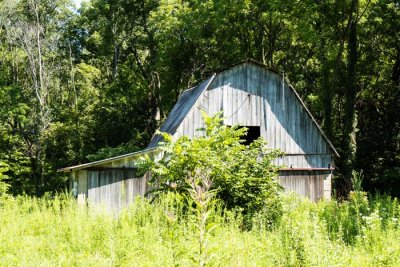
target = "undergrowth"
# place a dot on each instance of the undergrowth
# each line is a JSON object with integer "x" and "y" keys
{"x": 54, "y": 231}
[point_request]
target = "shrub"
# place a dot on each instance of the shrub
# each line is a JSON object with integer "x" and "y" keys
{"x": 243, "y": 176}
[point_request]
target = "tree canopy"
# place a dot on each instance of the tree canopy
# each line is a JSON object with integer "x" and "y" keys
{"x": 79, "y": 85}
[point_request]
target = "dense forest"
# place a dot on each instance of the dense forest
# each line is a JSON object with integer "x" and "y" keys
{"x": 77, "y": 85}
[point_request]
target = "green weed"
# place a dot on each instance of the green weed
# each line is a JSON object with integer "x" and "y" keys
{"x": 55, "y": 231}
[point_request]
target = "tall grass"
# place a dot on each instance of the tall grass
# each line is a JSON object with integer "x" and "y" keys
{"x": 56, "y": 232}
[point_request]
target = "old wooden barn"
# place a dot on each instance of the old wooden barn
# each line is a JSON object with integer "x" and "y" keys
{"x": 249, "y": 94}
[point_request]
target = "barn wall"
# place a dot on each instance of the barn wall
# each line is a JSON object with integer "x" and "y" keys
{"x": 250, "y": 96}
{"x": 313, "y": 184}
{"x": 113, "y": 184}
{"x": 115, "y": 189}
{"x": 81, "y": 177}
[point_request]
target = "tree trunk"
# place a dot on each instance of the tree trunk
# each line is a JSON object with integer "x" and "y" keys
{"x": 350, "y": 122}
{"x": 259, "y": 42}
{"x": 396, "y": 70}
{"x": 327, "y": 94}
{"x": 115, "y": 61}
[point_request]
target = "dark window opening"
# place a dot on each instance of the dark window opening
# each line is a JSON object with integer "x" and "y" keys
{"x": 253, "y": 133}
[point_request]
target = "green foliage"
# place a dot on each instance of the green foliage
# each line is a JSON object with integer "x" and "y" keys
{"x": 203, "y": 198}
{"x": 244, "y": 177}
{"x": 111, "y": 72}
{"x": 108, "y": 152}
{"x": 356, "y": 180}
{"x": 55, "y": 231}
{"x": 3, "y": 185}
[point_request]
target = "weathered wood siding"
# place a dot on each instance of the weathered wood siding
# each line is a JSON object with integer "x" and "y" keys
{"x": 249, "y": 95}
{"x": 81, "y": 177}
{"x": 115, "y": 189}
{"x": 112, "y": 184}
{"x": 314, "y": 185}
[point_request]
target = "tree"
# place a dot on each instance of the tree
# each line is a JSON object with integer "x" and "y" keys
{"x": 244, "y": 177}
{"x": 87, "y": 84}
{"x": 31, "y": 29}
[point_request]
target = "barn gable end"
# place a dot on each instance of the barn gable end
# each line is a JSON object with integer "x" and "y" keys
{"x": 250, "y": 95}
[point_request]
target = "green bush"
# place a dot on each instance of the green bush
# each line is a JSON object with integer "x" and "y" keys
{"x": 244, "y": 177}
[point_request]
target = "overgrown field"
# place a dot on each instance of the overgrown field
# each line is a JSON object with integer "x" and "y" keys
{"x": 55, "y": 232}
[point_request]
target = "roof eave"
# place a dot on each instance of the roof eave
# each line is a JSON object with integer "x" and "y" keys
{"x": 103, "y": 161}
